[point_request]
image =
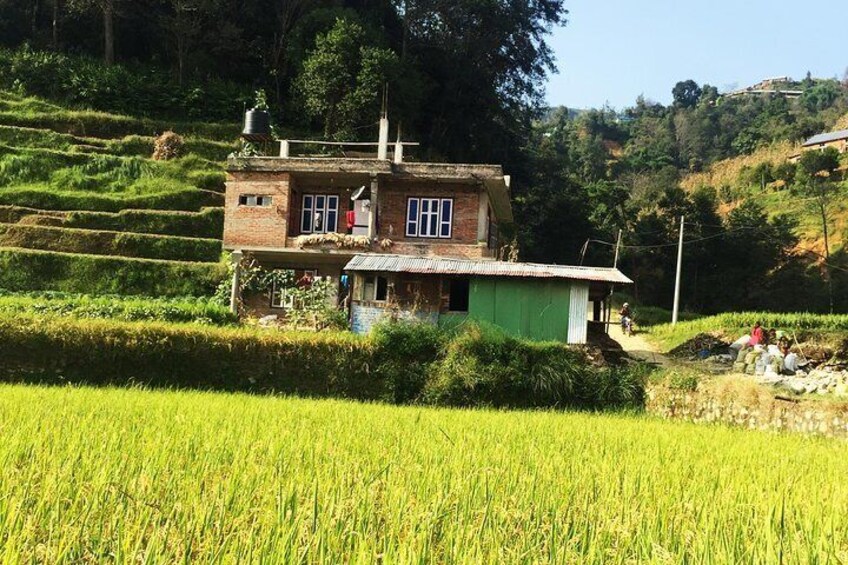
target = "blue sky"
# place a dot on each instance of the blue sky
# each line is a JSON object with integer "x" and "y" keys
{"x": 614, "y": 50}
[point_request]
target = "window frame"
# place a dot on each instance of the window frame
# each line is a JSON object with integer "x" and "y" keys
{"x": 308, "y": 211}
{"x": 259, "y": 200}
{"x": 286, "y": 300}
{"x": 429, "y": 217}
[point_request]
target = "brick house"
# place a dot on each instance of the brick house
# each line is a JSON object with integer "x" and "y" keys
{"x": 315, "y": 215}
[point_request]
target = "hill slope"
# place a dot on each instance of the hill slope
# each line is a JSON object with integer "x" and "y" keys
{"x": 79, "y": 189}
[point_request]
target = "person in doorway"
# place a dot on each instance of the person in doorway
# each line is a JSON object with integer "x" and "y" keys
{"x": 756, "y": 335}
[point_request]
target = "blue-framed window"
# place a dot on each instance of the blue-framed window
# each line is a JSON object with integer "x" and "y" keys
{"x": 429, "y": 217}
{"x": 320, "y": 213}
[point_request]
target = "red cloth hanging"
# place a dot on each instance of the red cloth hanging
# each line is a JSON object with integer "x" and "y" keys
{"x": 350, "y": 216}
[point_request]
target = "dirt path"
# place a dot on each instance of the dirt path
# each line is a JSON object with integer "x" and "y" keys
{"x": 638, "y": 347}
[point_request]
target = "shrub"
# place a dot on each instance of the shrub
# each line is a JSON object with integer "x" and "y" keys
{"x": 124, "y": 244}
{"x": 24, "y": 269}
{"x": 407, "y": 354}
{"x": 475, "y": 368}
{"x": 156, "y": 354}
{"x": 167, "y": 146}
{"x": 485, "y": 366}
{"x": 136, "y": 89}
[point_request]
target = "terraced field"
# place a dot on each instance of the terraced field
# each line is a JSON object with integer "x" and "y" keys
{"x": 79, "y": 192}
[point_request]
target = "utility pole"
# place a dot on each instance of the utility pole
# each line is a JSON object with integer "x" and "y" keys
{"x": 617, "y": 247}
{"x": 677, "y": 278}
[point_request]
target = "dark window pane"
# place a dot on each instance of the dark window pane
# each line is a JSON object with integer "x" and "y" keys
{"x": 382, "y": 289}
{"x": 459, "y": 292}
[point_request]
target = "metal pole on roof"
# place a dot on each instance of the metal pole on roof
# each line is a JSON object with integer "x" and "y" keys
{"x": 677, "y": 278}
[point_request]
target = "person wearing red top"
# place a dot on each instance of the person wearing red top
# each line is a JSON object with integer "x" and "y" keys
{"x": 756, "y": 335}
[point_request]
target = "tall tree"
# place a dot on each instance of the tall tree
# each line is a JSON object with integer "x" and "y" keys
{"x": 817, "y": 172}
{"x": 108, "y": 10}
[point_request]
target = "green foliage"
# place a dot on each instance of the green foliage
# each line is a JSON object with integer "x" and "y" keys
{"x": 686, "y": 93}
{"x": 26, "y": 270}
{"x": 45, "y": 198}
{"x": 145, "y": 91}
{"x": 208, "y": 223}
{"x": 472, "y": 368}
{"x": 344, "y": 77}
{"x": 72, "y": 240}
{"x": 407, "y": 353}
{"x": 124, "y": 308}
{"x": 734, "y": 324}
{"x": 482, "y": 365}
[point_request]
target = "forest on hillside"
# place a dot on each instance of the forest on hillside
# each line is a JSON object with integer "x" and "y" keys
{"x": 466, "y": 78}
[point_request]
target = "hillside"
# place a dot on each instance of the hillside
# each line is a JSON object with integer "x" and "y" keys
{"x": 751, "y": 177}
{"x": 84, "y": 207}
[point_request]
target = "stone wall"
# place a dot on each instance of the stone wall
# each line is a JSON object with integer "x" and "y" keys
{"x": 750, "y": 409}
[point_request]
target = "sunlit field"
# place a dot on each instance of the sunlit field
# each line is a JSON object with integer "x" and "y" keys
{"x": 100, "y": 475}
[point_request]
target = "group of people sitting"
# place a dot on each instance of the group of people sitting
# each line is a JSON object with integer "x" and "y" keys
{"x": 764, "y": 352}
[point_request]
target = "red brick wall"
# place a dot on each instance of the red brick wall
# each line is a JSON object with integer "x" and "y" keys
{"x": 297, "y": 203}
{"x": 256, "y": 226}
{"x": 466, "y": 201}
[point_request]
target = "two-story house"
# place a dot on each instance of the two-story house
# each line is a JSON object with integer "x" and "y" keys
{"x": 400, "y": 238}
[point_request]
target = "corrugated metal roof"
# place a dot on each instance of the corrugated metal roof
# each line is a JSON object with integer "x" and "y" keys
{"x": 373, "y": 262}
{"x": 827, "y": 137}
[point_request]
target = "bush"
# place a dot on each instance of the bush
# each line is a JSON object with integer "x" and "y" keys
{"x": 407, "y": 354}
{"x": 474, "y": 368}
{"x": 138, "y": 90}
{"x": 72, "y": 240}
{"x": 25, "y": 270}
{"x": 482, "y": 365}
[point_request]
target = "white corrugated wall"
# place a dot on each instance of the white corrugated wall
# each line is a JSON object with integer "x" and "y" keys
{"x": 578, "y": 314}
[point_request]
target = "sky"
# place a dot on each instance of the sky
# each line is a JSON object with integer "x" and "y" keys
{"x": 611, "y": 51}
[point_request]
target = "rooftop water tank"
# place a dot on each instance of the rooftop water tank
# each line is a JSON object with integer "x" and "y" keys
{"x": 257, "y": 125}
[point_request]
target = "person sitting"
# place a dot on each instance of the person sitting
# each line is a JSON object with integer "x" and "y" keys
{"x": 756, "y": 335}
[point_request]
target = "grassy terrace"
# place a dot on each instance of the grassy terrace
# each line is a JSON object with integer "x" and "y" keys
{"x": 103, "y": 474}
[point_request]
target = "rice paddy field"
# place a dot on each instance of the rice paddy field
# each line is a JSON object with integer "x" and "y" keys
{"x": 120, "y": 475}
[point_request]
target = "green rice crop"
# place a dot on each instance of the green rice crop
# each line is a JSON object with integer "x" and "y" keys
{"x": 115, "y": 307}
{"x": 104, "y": 475}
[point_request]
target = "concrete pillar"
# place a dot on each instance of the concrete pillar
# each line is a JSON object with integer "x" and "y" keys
{"x": 235, "y": 290}
{"x": 383, "y": 147}
{"x": 373, "y": 209}
{"x": 483, "y": 217}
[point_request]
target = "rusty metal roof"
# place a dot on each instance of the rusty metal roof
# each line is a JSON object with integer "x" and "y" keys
{"x": 380, "y": 263}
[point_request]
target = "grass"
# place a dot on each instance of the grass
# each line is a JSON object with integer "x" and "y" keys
{"x": 740, "y": 323}
{"x": 125, "y": 308}
{"x": 125, "y": 475}
{"x": 113, "y": 243}
{"x": 208, "y": 223}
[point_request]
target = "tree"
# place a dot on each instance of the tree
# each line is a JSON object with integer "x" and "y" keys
{"x": 108, "y": 9}
{"x": 816, "y": 171}
{"x": 343, "y": 79}
{"x": 686, "y": 93}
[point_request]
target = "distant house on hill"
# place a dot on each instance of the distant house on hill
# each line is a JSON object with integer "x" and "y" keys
{"x": 836, "y": 139}
{"x": 398, "y": 238}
